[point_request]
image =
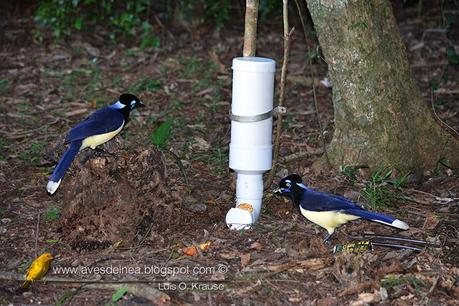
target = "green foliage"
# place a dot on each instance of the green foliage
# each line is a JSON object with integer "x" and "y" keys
{"x": 359, "y": 26}
{"x": 68, "y": 295}
{"x": 204, "y": 73}
{"x": 51, "y": 214}
{"x": 433, "y": 84}
{"x": 32, "y": 154}
{"x": 453, "y": 57}
{"x": 217, "y": 158}
{"x": 390, "y": 281}
{"x": 350, "y": 172}
{"x": 449, "y": 21}
{"x": 381, "y": 189}
{"x": 145, "y": 84}
{"x": 314, "y": 54}
{"x": 122, "y": 18}
{"x": 3, "y": 86}
{"x": 133, "y": 17}
{"x": 148, "y": 39}
{"x": 205, "y": 10}
{"x": 269, "y": 8}
{"x": 118, "y": 295}
{"x": 3, "y": 147}
{"x": 160, "y": 136}
{"x": 51, "y": 241}
{"x": 176, "y": 103}
{"x": 193, "y": 67}
{"x": 445, "y": 162}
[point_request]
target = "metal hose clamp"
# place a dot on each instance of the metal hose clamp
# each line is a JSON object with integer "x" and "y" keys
{"x": 248, "y": 119}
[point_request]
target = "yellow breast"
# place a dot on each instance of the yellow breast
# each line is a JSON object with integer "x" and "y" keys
{"x": 37, "y": 269}
{"x": 327, "y": 219}
{"x": 94, "y": 141}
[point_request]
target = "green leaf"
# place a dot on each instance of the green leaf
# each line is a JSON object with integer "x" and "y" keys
{"x": 78, "y": 24}
{"x": 118, "y": 295}
{"x": 453, "y": 57}
{"x": 359, "y": 25}
{"x": 160, "y": 136}
{"x": 434, "y": 84}
{"x": 51, "y": 240}
{"x": 150, "y": 42}
{"x": 51, "y": 214}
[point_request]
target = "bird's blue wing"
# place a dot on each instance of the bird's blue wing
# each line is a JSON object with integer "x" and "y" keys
{"x": 321, "y": 201}
{"x": 100, "y": 122}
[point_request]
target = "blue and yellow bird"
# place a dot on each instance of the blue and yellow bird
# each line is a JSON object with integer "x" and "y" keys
{"x": 327, "y": 210}
{"x": 98, "y": 128}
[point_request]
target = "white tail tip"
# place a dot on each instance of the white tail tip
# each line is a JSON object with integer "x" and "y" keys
{"x": 400, "y": 224}
{"x": 52, "y": 186}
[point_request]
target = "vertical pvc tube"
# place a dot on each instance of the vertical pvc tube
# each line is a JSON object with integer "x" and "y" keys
{"x": 251, "y": 142}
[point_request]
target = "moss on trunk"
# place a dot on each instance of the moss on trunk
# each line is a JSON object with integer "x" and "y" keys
{"x": 381, "y": 118}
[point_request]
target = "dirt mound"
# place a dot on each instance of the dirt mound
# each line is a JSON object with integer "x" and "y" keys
{"x": 130, "y": 195}
{"x": 114, "y": 198}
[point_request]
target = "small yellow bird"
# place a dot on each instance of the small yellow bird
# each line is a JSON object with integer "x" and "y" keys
{"x": 38, "y": 269}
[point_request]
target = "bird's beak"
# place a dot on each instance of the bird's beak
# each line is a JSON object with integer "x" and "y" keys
{"x": 278, "y": 191}
{"x": 141, "y": 104}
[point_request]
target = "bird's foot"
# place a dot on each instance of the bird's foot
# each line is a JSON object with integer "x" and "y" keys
{"x": 102, "y": 153}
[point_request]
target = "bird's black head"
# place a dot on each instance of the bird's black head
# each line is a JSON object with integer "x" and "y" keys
{"x": 130, "y": 101}
{"x": 293, "y": 187}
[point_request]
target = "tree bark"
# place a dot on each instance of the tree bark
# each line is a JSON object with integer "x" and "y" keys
{"x": 250, "y": 32}
{"x": 381, "y": 118}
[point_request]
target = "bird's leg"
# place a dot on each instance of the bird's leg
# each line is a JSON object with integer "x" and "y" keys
{"x": 327, "y": 238}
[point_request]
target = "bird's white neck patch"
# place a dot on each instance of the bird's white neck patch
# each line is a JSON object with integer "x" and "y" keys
{"x": 118, "y": 105}
{"x": 302, "y": 185}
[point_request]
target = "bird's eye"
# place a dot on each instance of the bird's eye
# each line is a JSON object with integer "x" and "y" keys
{"x": 288, "y": 183}
{"x": 132, "y": 103}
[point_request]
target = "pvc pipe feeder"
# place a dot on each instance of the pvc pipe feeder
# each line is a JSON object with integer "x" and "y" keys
{"x": 250, "y": 153}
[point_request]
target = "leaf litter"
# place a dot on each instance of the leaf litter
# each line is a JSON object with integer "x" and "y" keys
{"x": 130, "y": 207}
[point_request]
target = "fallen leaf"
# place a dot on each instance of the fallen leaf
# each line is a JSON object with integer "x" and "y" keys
{"x": 216, "y": 60}
{"x": 76, "y": 112}
{"x": 201, "y": 144}
{"x": 229, "y": 255}
{"x": 245, "y": 259}
{"x": 256, "y": 245}
{"x": 327, "y": 301}
{"x": 191, "y": 250}
{"x": 93, "y": 51}
{"x": 365, "y": 298}
{"x": 431, "y": 222}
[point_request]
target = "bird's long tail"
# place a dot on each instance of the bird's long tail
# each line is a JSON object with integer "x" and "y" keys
{"x": 62, "y": 166}
{"x": 26, "y": 284}
{"x": 376, "y": 217}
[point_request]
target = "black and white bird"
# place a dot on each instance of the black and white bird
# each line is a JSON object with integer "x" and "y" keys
{"x": 98, "y": 128}
{"x": 328, "y": 210}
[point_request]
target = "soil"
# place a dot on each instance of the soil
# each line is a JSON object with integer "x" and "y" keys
{"x": 138, "y": 206}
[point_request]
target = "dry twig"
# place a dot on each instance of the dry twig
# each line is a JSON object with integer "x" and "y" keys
{"x": 287, "y": 43}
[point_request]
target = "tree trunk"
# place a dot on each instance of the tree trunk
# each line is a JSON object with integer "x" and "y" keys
{"x": 381, "y": 118}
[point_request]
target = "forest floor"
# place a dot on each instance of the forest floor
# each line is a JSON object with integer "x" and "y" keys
{"x": 120, "y": 218}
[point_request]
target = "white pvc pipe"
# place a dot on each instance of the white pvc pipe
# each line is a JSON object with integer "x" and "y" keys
{"x": 251, "y": 142}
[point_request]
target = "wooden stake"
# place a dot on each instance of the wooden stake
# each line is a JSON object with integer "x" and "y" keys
{"x": 250, "y": 34}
